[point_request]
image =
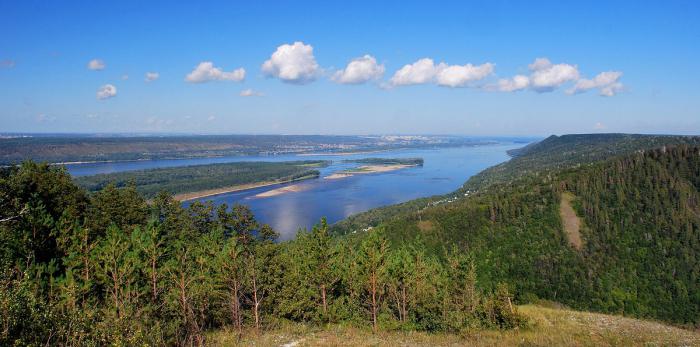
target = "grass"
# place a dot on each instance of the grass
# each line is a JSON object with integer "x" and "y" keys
{"x": 547, "y": 327}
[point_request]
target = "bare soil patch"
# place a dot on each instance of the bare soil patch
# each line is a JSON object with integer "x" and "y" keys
{"x": 570, "y": 221}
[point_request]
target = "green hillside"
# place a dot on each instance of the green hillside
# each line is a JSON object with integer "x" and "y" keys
{"x": 640, "y": 227}
{"x": 557, "y": 152}
{"x": 549, "y": 155}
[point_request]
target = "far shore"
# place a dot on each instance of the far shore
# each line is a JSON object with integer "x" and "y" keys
{"x": 340, "y": 153}
{"x": 232, "y": 189}
{"x": 367, "y": 169}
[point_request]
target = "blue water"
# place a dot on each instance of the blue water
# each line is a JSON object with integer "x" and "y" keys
{"x": 444, "y": 170}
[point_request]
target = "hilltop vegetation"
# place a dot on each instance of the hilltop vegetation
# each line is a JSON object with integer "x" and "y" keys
{"x": 640, "y": 230}
{"x": 185, "y": 179}
{"x": 536, "y": 159}
{"x": 113, "y": 268}
{"x": 559, "y": 152}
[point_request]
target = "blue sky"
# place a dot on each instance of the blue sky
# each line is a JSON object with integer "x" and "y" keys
{"x": 419, "y": 67}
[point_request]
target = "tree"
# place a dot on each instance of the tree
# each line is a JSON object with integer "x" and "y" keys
{"x": 372, "y": 271}
{"x": 231, "y": 274}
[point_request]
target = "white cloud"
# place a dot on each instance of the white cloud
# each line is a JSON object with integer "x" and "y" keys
{"x": 96, "y": 64}
{"x": 125, "y": 77}
{"x": 517, "y": 82}
{"x": 599, "y": 126}
{"x": 546, "y": 76}
{"x": 460, "y": 76}
{"x": 151, "y": 76}
{"x": 422, "y": 71}
{"x": 205, "y": 72}
{"x": 211, "y": 118}
{"x": 250, "y": 92}
{"x": 540, "y": 64}
{"x": 293, "y": 63}
{"x": 425, "y": 71}
{"x": 607, "y": 84}
{"x": 106, "y": 91}
{"x": 360, "y": 70}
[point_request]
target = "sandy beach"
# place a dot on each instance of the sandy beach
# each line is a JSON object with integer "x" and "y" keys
{"x": 279, "y": 191}
{"x": 367, "y": 169}
{"x": 231, "y": 189}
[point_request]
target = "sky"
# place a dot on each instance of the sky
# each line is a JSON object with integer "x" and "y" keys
{"x": 361, "y": 67}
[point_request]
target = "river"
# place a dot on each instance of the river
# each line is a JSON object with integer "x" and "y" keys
{"x": 444, "y": 170}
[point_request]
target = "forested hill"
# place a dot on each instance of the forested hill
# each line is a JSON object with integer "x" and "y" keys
{"x": 557, "y": 152}
{"x": 552, "y": 154}
{"x": 639, "y": 218}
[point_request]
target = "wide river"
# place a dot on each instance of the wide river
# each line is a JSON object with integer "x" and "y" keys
{"x": 444, "y": 170}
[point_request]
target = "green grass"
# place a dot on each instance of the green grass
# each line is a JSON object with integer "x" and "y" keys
{"x": 546, "y": 327}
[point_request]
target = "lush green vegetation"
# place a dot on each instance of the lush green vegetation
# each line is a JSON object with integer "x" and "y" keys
{"x": 113, "y": 268}
{"x": 559, "y": 152}
{"x": 537, "y": 159}
{"x": 185, "y": 179}
{"x": 641, "y": 232}
{"x": 386, "y": 161}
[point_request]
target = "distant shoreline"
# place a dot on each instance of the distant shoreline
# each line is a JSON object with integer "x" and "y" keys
{"x": 231, "y": 189}
{"x": 311, "y": 154}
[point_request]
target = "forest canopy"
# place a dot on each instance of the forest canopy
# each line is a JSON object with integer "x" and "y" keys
{"x": 185, "y": 179}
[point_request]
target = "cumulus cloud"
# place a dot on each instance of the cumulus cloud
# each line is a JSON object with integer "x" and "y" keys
{"x": 151, "y": 76}
{"x": 461, "y": 75}
{"x": 250, "y": 92}
{"x": 205, "y": 72}
{"x": 106, "y": 91}
{"x": 8, "y": 64}
{"x": 546, "y": 76}
{"x": 425, "y": 71}
{"x": 96, "y": 64}
{"x": 607, "y": 84}
{"x": 422, "y": 71}
{"x": 293, "y": 63}
{"x": 125, "y": 77}
{"x": 517, "y": 82}
{"x": 360, "y": 70}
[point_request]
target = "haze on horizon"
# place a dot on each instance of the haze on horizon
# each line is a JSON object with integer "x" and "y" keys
{"x": 477, "y": 68}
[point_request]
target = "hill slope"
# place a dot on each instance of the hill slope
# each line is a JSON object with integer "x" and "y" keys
{"x": 548, "y": 327}
{"x": 640, "y": 228}
{"x": 551, "y": 154}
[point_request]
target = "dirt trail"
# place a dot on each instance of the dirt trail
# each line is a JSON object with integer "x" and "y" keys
{"x": 570, "y": 221}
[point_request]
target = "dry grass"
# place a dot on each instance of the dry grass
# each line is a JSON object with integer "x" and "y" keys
{"x": 548, "y": 327}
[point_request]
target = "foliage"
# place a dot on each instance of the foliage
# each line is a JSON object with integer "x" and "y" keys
{"x": 185, "y": 179}
{"x": 113, "y": 268}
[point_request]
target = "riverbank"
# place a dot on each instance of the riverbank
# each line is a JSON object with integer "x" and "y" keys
{"x": 236, "y": 188}
{"x": 367, "y": 169}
